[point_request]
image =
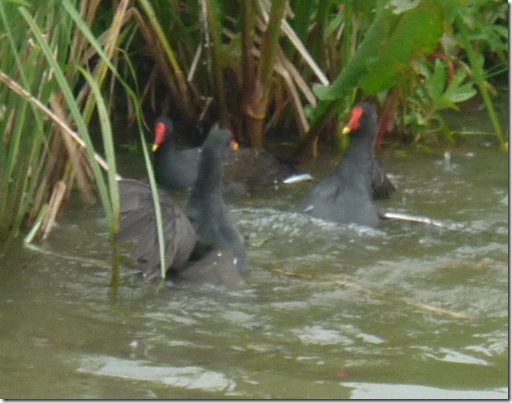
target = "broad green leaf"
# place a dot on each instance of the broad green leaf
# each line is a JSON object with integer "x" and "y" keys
{"x": 416, "y": 34}
{"x": 437, "y": 83}
{"x": 401, "y": 32}
{"x": 363, "y": 58}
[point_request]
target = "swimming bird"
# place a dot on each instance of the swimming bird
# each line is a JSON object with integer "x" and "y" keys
{"x": 345, "y": 196}
{"x": 202, "y": 244}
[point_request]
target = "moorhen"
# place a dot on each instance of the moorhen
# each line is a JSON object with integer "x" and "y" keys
{"x": 246, "y": 171}
{"x": 345, "y": 196}
{"x": 202, "y": 244}
{"x": 174, "y": 168}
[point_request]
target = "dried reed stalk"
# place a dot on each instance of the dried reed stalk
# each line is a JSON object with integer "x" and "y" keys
{"x": 374, "y": 293}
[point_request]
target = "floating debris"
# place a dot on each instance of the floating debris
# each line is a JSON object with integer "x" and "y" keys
{"x": 298, "y": 178}
{"x": 421, "y": 220}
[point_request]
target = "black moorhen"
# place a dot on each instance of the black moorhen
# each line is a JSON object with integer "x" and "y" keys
{"x": 206, "y": 209}
{"x": 345, "y": 196}
{"x": 246, "y": 171}
{"x": 174, "y": 169}
{"x": 202, "y": 244}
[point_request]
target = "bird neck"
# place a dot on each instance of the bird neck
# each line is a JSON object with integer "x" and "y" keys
{"x": 209, "y": 175}
{"x": 360, "y": 149}
{"x": 168, "y": 146}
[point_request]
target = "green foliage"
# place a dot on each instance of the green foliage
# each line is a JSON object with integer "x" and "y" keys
{"x": 467, "y": 31}
{"x": 415, "y": 34}
{"x": 437, "y": 92}
{"x": 434, "y": 93}
{"x": 394, "y": 51}
{"x": 26, "y": 138}
{"x": 397, "y": 35}
{"x": 59, "y": 84}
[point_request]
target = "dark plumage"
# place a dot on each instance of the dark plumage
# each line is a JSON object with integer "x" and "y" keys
{"x": 345, "y": 196}
{"x": 174, "y": 169}
{"x": 201, "y": 243}
{"x": 206, "y": 209}
{"x": 382, "y": 187}
{"x": 245, "y": 171}
{"x": 138, "y": 223}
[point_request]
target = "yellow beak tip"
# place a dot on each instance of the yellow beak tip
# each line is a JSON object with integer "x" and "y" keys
{"x": 155, "y": 147}
{"x": 346, "y": 130}
{"x": 233, "y": 145}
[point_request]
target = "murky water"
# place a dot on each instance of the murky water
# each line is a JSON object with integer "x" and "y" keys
{"x": 402, "y": 311}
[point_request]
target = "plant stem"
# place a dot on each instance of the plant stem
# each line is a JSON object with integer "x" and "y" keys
{"x": 184, "y": 101}
{"x": 220, "y": 95}
{"x": 256, "y": 110}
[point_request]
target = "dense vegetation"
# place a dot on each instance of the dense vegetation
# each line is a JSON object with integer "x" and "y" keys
{"x": 258, "y": 66}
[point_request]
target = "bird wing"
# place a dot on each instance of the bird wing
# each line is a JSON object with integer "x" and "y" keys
{"x": 324, "y": 191}
{"x": 138, "y": 224}
{"x": 382, "y": 187}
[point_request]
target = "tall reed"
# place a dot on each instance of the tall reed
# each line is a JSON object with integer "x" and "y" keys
{"x": 29, "y": 166}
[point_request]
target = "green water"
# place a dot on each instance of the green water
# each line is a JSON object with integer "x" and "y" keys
{"x": 402, "y": 311}
{"x": 361, "y": 320}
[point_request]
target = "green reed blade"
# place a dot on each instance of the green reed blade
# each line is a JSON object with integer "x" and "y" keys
{"x": 108, "y": 145}
{"x": 73, "y": 108}
{"x": 94, "y": 43}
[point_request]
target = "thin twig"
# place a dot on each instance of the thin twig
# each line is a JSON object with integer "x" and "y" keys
{"x": 53, "y": 207}
{"x": 355, "y": 286}
{"x": 80, "y": 169}
{"x": 421, "y": 220}
{"x": 96, "y": 262}
{"x": 300, "y": 115}
{"x": 193, "y": 67}
{"x": 208, "y": 101}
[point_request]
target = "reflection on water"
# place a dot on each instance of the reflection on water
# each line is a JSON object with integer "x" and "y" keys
{"x": 184, "y": 377}
{"x": 368, "y": 391}
{"x": 404, "y": 310}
